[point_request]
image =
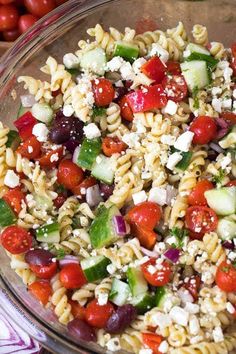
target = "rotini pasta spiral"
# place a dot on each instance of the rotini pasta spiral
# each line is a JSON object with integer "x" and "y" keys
{"x": 66, "y": 213}
{"x": 60, "y": 300}
{"x": 3, "y": 139}
{"x": 200, "y": 34}
{"x": 212, "y": 245}
{"x": 84, "y": 293}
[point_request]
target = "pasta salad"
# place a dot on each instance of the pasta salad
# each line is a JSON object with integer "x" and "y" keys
{"x": 118, "y": 190}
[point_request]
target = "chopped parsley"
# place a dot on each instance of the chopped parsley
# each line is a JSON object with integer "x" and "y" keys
{"x": 218, "y": 179}
{"x": 60, "y": 254}
{"x": 98, "y": 111}
{"x": 180, "y": 235}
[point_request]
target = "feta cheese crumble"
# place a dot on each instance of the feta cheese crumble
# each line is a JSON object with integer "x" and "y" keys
{"x": 71, "y": 61}
{"x": 173, "y": 160}
{"x": 179, "y": 315}
{"x": 184, "y": 141}
{"x": 139, "y": 197}
{"x": 91, "y": 131}
{"x": 160, "y": 52}
{"x": 157, "y": 195}
{"x": 41, "y": 131}
{"x": 170, "y": 108}
{"x": 11, "y": 179}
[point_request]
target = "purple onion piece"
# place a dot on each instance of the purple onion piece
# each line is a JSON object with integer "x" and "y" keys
{"x": 120, "y": 225}
{"x": 81, "y": 330}
{"x": 39, "y": 257}
{"x": 121, "y": 319}
{"x": 68, "y": 259}
{"x": 223, "y": 127}
{"x": 216, "y": 147}
{"x": 229, "y": 245}
{"x": 106, "y": 190}
{"x": 93, "y": 195}
{"x": 172, "y": 254}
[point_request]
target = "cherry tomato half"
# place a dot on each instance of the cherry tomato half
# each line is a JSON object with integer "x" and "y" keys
{"x": 69, "y": 174}
{"x": 16, "y": 240}
{"x": 11, "y": 35}
{"x": 175, "y": 87}
{"x": 30, "y": 148}
{"x": 96, "y": 315}
{"x": 173, "y": 67}
{"x": 196, "y": 196}
{"x": 193, "y": 285}
{"x": 226, "y": 277}
{"x": 201, "y": 219}
{"x": 152, "y": 341}
{"x": 9, "y": 17}
{"x": 14, "y": 198}
{"x": 51, "y": 158}
{"x": 72, "y": 276}
{"x": 77, "y": 310}
{"x": 204, "y": 129}
{"x": 44, "y": 272}
{"x": 103, "y": 91}
{"x": 42, "y": 290}
{"x": 147, "y": 237}
{"x": 40, "y": 7}
{"x": 112, "y": 145}
{"x": 159, "y": 277}
{"x": 231, "y": 183}
{"x": 26, "y": 21}
{"x": 125, "y": 109}
{"x": 233, "y": 48}
{"x": 80, "y": 190}
{"x": 146, "y": 214}
{"x": 229, "y": 116}
{"x": 6, "y": 2}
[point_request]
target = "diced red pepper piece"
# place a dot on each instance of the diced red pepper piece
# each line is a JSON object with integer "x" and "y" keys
{"x": 147, "y": 98}
{"x": 25, "y": 125}
{"x": 154, "y": 69}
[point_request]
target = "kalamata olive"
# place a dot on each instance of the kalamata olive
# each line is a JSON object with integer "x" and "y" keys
{"x": 119, "y": 93}
{"x": 81, "y": 330}
{"x": 77, "y": 132}
{"x": 60, "y": 134}
{"x": 39, "y": 257}
{"x": 106, "y": 190}
{"x": 121, "y": 318}
{"x": 71, "y": 145}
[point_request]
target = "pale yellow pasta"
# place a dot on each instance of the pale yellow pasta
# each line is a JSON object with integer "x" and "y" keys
{"x": 103, "y": 38}
{"x": 60, "y": 300}
{"x": 3, "y": 139}
{"x": 66, "y": 213}
{"x": 40, "y": 89}
{"x": 83, "y": 294}
{"x": 200, "y": 34}
{"x": 217, "y": 50}
{"x": 212, "y": 245}
{"x": 22, "y": 268}
{"x": 179, "y": 35}
{"x": 178, "y": 212}
{"x": 103, "y": 288}
{"x": 131, "y": 340}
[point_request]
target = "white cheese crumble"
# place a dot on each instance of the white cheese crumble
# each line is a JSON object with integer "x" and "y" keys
{"x": 131, "y": 139}
{"x": 163, "y": 347}
{"x": 217, "y": 104}
{"x": 139, "y": 197}
{"x": 126, "y": 71}
{"x": 30, "y": 149}
{"x": 234, "y": 93}
{"x": 194, "y": 326}
{"x": 227, "y": 103}
{"x": 170, "y": 108}
{"x": 218, "y": 334}
{"x": 160, "y": 52}
{"x": 160, "y": 319}
{"x": 41, "y": 131}
{"x": 137, "y": 64}
{"x": 227, "y": 75}
{"x": 54, "y": 157}
{"x": 230, "y": 308}
{"x": 102, "y": 299}
{"x": 111, "y": 268}
{"x": 179, "y": 315}
{"x": 157, "y": 195}
{"x": 173, "y": 160}
{"x": 184, "y": 141}
{"x": 71, "y": 61}
{"x": 114, "y": 64}
{"x": 145, "y": 351}
{"x": 68, "y": 110}
{"x": 113, "y": 344}
{"x": 11, "y": 179}
{"x": 216, "y": 91}
{"x": 91, "y": 131}
{"x": 168, "y": 139}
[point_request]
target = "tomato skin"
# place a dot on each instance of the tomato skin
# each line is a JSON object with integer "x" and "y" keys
{"x": 196, "y": 196}
{"x": 147, "y": 238}
{"x": 59, "y": 201}
{"x": 96, "y": 315}
{"x": 14, "y": 198}
{"x": 201, "y": 219}
{"x": 233, "y": 66}
{"x": 80, "y": 190}
{"x": 193, "y": 286}
{"x": 231, "y": 183}
{"x": 233, "y": 48}
{"x": 77, "y": 310}
{"x": 154, "y": 69}
{"x": 143, "y": 100}
{"x": 72, "y": 276}
{"x": 45, "y": 160}
{"x": 204, "y": 129}
{"x": 103, "y": 91}
{"x": 42, "y": 290}
{"x": 40, "y": 7}
{"x": 112, "y": 145}
{"x": 30, "y": 148}
{"x": 160, "y": 277}
{"x": 229, "y": 116}
{"x": 69, "y": 174}
{"x": 125, "y": 109}
{"x": 16, "y": 240}
{"x": 173, "y": 67}
{"x": 6, "y": 2}
{"x": 11, "y": 35}
{"x": 146, "y": 214}
{"x": 44, "y": 272}
{"x": 152, "y": 341}
{"x": 196, "y": 235}
{"x": 8, "y": 17}
{"x": 25, "y": 124}
{"x": 226, "y": 277}
{"x": 26, "y": 21}
{"x": 175, "y": 87}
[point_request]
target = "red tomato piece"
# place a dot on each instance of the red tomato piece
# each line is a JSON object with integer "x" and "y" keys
{"x": 112, "y": 145}
{"x": 40, "y": 7}
{"x": 9, "y": 17}
{"x": 147, "y": 237}
{"x": 51, "y": 158}
{"x": 14, "y": 198}
{"x": 196, "y": 235}
{"x": 233, "y": 65}
{"x": 59, "y": 201}
{"x": 69, "y": 174}
{"x": 201, "y": 219}
{"x": 26, "y": 21}
{"x": 6, "y": 2}
{"x": 25, "y": 125}
{"x": 72, "y": 276}
{"x": 154, "y": 69}
{"x": 16, "y": 240}
{"x": 204, "y": 129}
{"x": 231, "y": 183}
{"x": 30, "y": 148}
{"x": 77, "y": 310}
{"x": 193, "y": 285}
{"x": 103, "y": 91}
{"x": 229, "y": 116}
{"x": 96, "y": 315}
{"x": 152, "y": 341}
{"x": 162, "y": 274}
{"x": 173, "y": 67}
{"x": 80, "y": 190}
{"x": 226, "y": 277}
{"x": 11, "y": 35}
{"x": 175, "y": 87}
{"x": 147, "y": 98}
{"x": 196, "y": 196}
{"x": 146, "y": 214}
{"x": 125, "y": 109}
{"x": 233, "y": 48}
{"x": 44, "y": 272}
{"x": 42, "y": 290}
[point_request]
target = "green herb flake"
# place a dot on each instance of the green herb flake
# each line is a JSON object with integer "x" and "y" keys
{"x": 180, "y": 235}
{"x": 218, "y": 179}
{"x": 60, "y": 254}
{"x": 98, "y": 111}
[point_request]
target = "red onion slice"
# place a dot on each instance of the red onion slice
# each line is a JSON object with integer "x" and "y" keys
{"x": 216, "y": 147}
{"x": 76, "y": 154}
{"x": 229, "y": 245}
{"x": 172, "y": 254}
{"x": 93, "y": 196}
{"x": 223, "y": 127}
{"x": 68, "y": 259}
{"x": 120, "y": 225}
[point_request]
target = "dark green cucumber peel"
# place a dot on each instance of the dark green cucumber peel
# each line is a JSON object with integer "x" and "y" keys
{"x": 7, "y": 216}
{"x": 95, "y": 268}
{"x": 89, "y": 150}
{"x": 13, "y": 140}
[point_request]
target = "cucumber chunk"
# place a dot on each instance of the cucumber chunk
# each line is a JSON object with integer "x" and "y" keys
{"x": 196, "y": 48}
{"x": 120, "y": 292}
{"x": 222, "y": 200}
{"x": 104, "y": 169}
{"x": 42, "y": 112}
{"x": 48, "y": 233}
{"x": 196, "y": 74}
{"x": 136, "y": 280}
{"x": 144, "y": 302}
{"x": 43, "y": 202}
{"x": 89, "y": 150}
{"x": 211, "y": 61}
{"x": 126, "y": 50}
{"x": 102, "y": 231}
{"x": 226, "y": 229}
{"x": 13, "y": 140}
{"x": 95, "y": 268}
{"x": 7, "y": 216}
{"x": 94, "y": 60}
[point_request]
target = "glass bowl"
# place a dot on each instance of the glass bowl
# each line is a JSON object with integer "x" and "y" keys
{"x": 59, "y": 33}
